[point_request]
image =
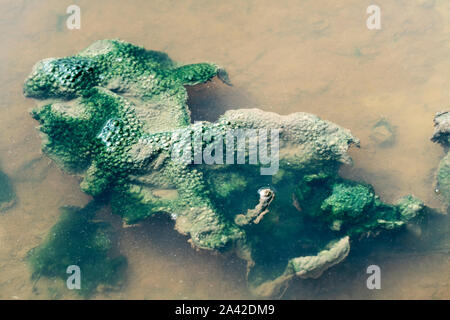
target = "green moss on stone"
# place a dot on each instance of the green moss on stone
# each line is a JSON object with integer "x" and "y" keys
{"x": 121, "y": 127}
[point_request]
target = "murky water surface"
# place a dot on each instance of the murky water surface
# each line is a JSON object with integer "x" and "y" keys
{"x": 282, "y": 56}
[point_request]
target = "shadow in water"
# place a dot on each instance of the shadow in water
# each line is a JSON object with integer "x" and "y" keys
{"x": 159, "y": 254}
{"x": 208, "y": 101}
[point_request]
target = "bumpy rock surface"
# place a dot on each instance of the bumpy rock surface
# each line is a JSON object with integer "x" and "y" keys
{"x": 442, "y": 128}
{"x": 117, "y": 114}
{"x": 442, "y": 135}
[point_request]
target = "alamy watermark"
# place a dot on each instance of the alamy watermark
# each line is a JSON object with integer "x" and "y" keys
{"x": 74, "y": 20}
{"x": 239, "y": 146}
{"x": 74, "y": 280}
{"x": 373, "y": 22}
{"x": 374, "y": 280}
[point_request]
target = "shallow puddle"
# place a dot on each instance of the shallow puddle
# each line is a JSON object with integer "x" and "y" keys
{"x": 282, "y": 56}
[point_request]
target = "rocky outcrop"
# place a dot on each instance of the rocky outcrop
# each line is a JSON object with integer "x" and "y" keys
{"x": 116, "y": 115}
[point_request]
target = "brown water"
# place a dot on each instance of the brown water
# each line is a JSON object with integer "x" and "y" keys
{"x": 282, "y": 56}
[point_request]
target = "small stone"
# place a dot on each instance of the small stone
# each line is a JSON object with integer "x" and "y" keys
{"x": 383, "y": 134}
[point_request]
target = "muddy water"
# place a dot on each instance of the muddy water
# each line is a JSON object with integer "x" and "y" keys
{"x": 282, "y": 56}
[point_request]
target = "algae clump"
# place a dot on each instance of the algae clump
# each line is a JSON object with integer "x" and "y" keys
{"x": 78, "y": 240}
{"x": 7, "y": 193}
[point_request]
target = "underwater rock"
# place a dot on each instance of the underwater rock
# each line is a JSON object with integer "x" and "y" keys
{"x": 78, "y": 240}
{"x": 306, "y": 267}
{"x": 7, "y": 193}
{"x": 443, "y": 178}
{"x": 383, "y": 133}
{"x": 117, "y": 116}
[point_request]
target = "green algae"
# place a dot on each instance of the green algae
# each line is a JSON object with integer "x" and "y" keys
{"x": 7, "y": 193}
{"x": 329, "y": 209}
{"x": 77, "y": 239}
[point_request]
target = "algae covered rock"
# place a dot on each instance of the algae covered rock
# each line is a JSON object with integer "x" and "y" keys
{"x": 89, "y": 89}
{"x": 78, "y": 240}
{"x": 261, "y": 184}
{"x": 306, "y": 267}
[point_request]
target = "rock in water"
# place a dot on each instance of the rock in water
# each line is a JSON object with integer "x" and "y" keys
{"x": 116, "y": 114}
{"x": 442, "y": 135}
{"x": 442, "y": 128}
{"x": 383, "y": 133}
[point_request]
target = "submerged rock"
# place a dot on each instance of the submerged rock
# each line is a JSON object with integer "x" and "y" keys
{"x": 7, "y": 193}
{"x": 383, "y": 133}
{"x": 117, "y": 116}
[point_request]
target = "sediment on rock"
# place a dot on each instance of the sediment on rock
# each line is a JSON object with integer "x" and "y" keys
{"x": 116, "y": 114}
